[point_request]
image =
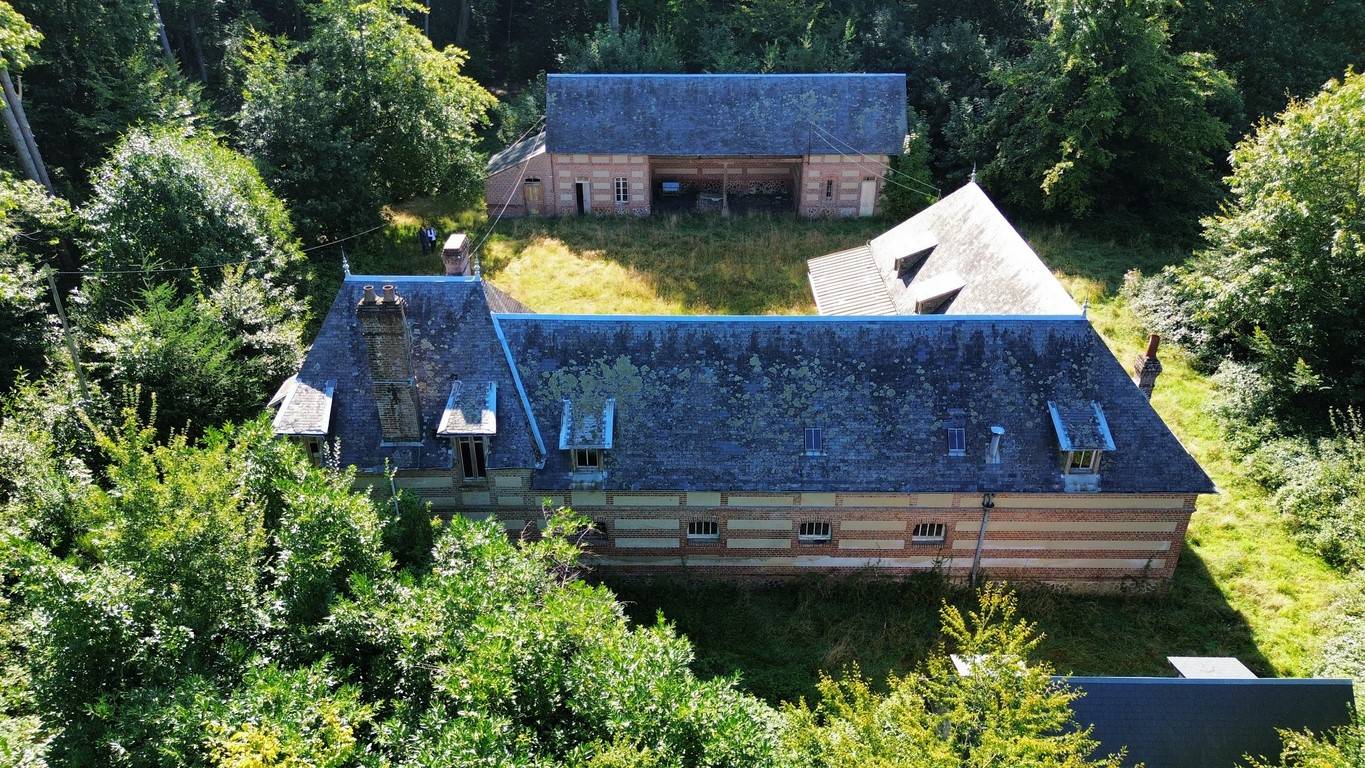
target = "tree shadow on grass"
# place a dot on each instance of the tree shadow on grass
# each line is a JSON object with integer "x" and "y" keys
{"x": 779, "y": 638}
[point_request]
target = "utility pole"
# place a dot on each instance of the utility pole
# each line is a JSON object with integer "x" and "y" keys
{"x": 20, "y": 146}
{"x": 614, "y": 15}
{"x": 13, "y": 102}
{"x": 66, "y": 332}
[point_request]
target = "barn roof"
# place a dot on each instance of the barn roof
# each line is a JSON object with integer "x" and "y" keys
{"x": 516, "y": 154}
{"x": 961, "y": 240}
{"x": 726, "y": 115}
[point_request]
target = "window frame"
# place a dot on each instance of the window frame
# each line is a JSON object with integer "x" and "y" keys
{"x": 822, "y": 532}
{"x": 961, "y": 434}
{"x": 829, "y": 189}
{"x": 478, "y": 453}
{"x": 813, "y": 442}
{"x": 575, "y": 454}
{"x": 711, "y": 536}
{"x": 622, "y": 190}
{"x": 1085, "y": 467}
{"x": 929, "y": 532}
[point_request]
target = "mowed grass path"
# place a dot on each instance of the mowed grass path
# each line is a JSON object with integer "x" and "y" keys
{"x": 1242, "y": 588}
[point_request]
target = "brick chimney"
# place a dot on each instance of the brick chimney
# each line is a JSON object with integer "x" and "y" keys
{"x": 384, "y": 326}
{"x": 1146, "y": 367}
{"x": 456, "y": 254}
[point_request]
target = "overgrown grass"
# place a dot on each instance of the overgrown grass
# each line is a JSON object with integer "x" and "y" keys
{"x": 1242, "y": 588}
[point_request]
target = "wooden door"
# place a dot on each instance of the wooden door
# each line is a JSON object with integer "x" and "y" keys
{"x": 867, "y": 199}
{"x": 534, "y": 192}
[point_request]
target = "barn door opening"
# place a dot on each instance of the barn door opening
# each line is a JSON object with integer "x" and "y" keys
{"x": 583, "y": 195}
{"x": 533, "y": 191}
{"x": 867, "y": 199}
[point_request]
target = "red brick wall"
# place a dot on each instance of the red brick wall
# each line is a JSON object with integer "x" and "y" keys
{"x": 506, "y": 187}
{"x": 843, "y": 177}
{"x": 601, "y": 172}
{"x": 1090, "y": 542}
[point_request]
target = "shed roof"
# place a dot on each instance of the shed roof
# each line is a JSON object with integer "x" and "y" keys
{"x": 1171, "y": 722}
{"x": 726, "y": 115}
{"x": 970, "y": 239}
{"x": 516, "y": 154}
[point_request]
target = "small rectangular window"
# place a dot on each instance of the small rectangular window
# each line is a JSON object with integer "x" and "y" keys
{"x": 815, "y": 441}
{"x": 587, "y": 459}
{"x": 957, "y": 441}
{"x": 814, "y": 532}
{"x": 473, "y": 459}
{"x": 622, "y": 189}
{"x": 929, "y": 533}
{"x": 829, "y": 190}
{"x": 703, "y": 531}
{"x": 1083, "y": 462}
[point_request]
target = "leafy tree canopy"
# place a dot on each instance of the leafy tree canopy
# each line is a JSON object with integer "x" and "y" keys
{"x": 363, "y": 112}
{"x": 1102, "y": 116}
{"x": 170, "y": 199}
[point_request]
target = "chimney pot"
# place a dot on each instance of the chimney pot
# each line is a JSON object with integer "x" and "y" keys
{"x": 368, "y": 298}
{"x": 1147, "y": 367}
{"x": 1153, "y": 341}
{"x": 389, "y": 295}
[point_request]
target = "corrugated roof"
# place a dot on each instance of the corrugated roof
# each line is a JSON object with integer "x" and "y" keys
{"x": 720, "y": 115}
{"x": 971, "y": 239}
{"x": 1197, "y": 723}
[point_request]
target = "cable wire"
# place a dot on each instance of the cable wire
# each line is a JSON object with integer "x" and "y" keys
{"x": 829, "y": 138}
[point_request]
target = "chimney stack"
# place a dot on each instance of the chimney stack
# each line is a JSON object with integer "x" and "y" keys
{"x": 993, "y": 455}
{"x": 1147, "y": 367}
{"x": 388, "y": 344}
{"x": 456, "y": 254}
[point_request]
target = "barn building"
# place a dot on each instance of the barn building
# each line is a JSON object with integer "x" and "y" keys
{"x": 1015, "y": 446}
{"x": 638, "y": 144}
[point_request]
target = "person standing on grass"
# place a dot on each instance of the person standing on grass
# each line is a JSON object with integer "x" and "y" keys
{"x": 422, "y": 239}
{"x": 430, "y": 232}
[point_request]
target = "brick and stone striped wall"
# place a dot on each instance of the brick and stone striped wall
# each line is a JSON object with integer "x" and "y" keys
{"x": 1082, "y": 542}
{"x": 847, "y": 175}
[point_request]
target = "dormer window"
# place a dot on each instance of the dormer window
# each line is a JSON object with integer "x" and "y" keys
{"x": 1082, "y": 437}
{"x": 586, "y": 430}
{"x": 305, "y": 414}
{"x": 470, "y": 420}
{"x": 933, "y": 295}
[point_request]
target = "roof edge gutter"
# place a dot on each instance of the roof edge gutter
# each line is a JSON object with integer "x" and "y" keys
{"x": 541, "y": 453}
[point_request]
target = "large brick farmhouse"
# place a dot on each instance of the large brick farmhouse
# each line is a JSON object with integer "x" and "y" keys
{"x": 815, "y": 144}
{"x": 1016, "y": 445}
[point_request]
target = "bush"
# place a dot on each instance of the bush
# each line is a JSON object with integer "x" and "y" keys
{"x": 1324, "y": 495}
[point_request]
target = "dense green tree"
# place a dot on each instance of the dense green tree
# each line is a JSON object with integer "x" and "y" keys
{"x": 206, "y": 359}
{"x": 1005, "y": 712}
{"x": 363, "y": 112}
{"x": 97, "y": 72}
{"x": 34, "y": 233}
{"x": 171, "y": 199}
{"x": 627, "y": 50}
{"x": 1278, "y": 288}
{"x": 1102, "y": 116}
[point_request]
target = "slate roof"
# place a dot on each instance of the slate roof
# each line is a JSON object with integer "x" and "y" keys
{"x": 306, "y": 408}
{"x": 453, "y": 337}
{"x": 1195, "y": 723}
{"x": 471, "y": 409}
{"x": 971, "y": 241}
{"x": 721, "y": 403}
{"x": 726, "y": 115}
{"x": 516, "y": 154}
{"x": 1080, "y": 426}
{"x": 588, "y": 422}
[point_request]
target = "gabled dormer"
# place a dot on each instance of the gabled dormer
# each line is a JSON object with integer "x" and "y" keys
{"x": 1082, "y": 438}
{"x": 304, "y": 413}
{"x": 470, "y": 421}
{"x": 585, "y": 432}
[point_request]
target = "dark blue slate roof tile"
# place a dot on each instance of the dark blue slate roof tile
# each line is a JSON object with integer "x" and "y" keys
{"x": 719, "y": 115}
{"x": 1197, "y": 723}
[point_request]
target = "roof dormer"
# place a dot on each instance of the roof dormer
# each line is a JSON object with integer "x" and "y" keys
{"x": 1082, "y": 437}
{"x": 470, "y": 420}
{"x": 585, "y": 431}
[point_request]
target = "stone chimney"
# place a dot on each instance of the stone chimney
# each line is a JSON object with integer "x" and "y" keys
{"x": 456, "y": 254}
{"x": 1146, "y": 367}
{"x": 388, "y": 344}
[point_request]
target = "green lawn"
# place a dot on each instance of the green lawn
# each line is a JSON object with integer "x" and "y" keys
{"x": 1242, "y": 587}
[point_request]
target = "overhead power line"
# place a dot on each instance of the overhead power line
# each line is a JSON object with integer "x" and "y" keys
{"x": 926, "y": 188}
